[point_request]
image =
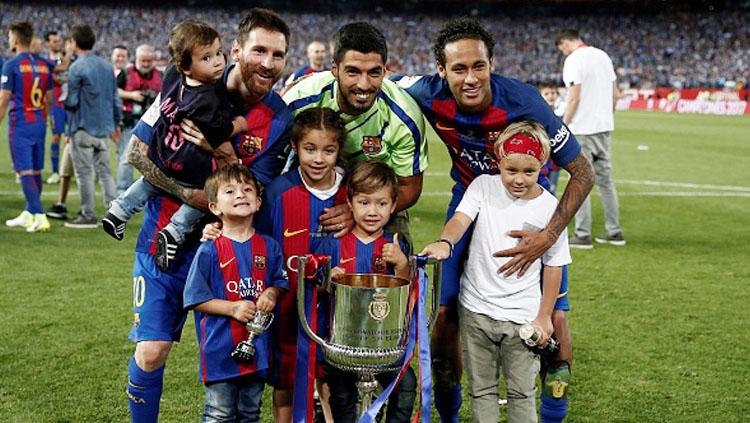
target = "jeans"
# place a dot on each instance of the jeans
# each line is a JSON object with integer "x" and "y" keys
{"x": 487, "y": 347}
{"x": 235, "y": 400}
{"x": 597, "y": 148}
{"x": 344, "y": 395}
{"x": 124, "y": 169}
{"x": 91, "y": 154}
{"x": 134, "y": 199}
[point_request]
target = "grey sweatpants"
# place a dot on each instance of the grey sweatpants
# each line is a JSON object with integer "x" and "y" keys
{"x": 91, "y": 154}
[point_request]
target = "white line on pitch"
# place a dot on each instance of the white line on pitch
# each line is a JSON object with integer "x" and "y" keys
{"x": 653, "y": 183}
{"x": 637, "y": 194}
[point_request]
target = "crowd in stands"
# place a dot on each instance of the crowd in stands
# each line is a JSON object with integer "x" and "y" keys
{"x": 681, "y": 50}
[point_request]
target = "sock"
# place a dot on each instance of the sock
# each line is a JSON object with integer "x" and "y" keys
{"x": 553, "y": 410}
{"x": 39, "y": 184}
{"x": 54, "y": 157}
{"x": 448, "y": 402}
{"x": 144, "y": 393}
{"x": 32, "y": 193}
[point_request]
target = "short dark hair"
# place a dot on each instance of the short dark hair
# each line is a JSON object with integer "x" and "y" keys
{"x": 547, "y": 84}
{"x": 460, "y": 29}
{"x": 369, "y": 176}
{"x": 49, "y": 34}
{"x": 84, "y": 36}
{"x": 186, "y": 36}
{"x": 262, "y": 18}
{"x": 359, "y": 36}
{"x": 318, "y": 118}
{"x": 24, "y": 31}
{"x": 567, "y": 34}
{"x": 121, "y": 47}
{"x": 227, "y": 174}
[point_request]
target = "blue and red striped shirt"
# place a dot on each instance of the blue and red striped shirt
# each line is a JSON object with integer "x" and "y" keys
{"x": 229, "y": 270}
{"x": 28, "y": 78}
{"x": 354, "y": 256}
{"x": 470, "y": 136}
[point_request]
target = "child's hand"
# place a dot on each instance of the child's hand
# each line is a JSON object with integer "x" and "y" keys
{"x": 545, "y": 324}
{"x": 243, "y": 310}
{"x": 392, "y": 254}
{"x": 267, "y": 299}
{"x": 439, "y": 250}
{"x": 211, "y": 231}
{"x": 239, "y": 124}
{"x": 337, "y": 273}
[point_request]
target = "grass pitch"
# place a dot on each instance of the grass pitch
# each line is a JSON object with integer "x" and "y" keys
{"x": 658, "y": 325}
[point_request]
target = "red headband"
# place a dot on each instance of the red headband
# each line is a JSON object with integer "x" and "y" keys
{"x": 523, "y": 144}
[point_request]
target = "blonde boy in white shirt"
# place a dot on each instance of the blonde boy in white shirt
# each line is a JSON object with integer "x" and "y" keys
{"x": 492, "y": 305}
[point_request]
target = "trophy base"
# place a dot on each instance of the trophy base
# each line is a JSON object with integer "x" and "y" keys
{"x": 364, "y": 360}
{"x": 244, "y": 352}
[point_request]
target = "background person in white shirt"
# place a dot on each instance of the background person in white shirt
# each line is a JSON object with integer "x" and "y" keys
{"x": 592, "y": 91}
{"x": 493, "y": 305}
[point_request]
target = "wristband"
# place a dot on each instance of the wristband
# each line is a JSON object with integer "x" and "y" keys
{"x": 450, "y": 244}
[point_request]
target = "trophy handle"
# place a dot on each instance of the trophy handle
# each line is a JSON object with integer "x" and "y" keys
{"x": 301, "y": 262}
{"x": 437, "y": 275}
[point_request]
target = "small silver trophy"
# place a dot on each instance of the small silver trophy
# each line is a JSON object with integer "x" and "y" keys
{"x": 531, "y": 335}
{"x": 245, "y": 350}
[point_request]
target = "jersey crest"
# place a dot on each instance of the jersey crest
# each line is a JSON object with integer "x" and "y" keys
{"x": 372, "y": 144}
{"x": 251, "y": 144}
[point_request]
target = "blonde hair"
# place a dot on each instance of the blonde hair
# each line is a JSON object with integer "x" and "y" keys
{"x": 526, "y": 127}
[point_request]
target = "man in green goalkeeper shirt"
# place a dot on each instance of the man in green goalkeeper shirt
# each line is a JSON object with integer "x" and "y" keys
{"x": 382, "y": 120}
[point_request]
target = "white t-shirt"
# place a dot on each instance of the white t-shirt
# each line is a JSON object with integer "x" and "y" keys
{"x": 495, "y": 212}
{"x": 592, "y": 69}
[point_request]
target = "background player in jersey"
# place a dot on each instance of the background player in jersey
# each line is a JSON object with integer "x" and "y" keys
{"x": 316, "y": 57}
{"x": 369, "y": 248}
{"x": 382, "y": 121}
{"x": 494, "y": 305}
{"x": 26, "y": 94}
{"x": 293, "y": 205}
{"x": 188, "y": 92}
{"x": 548, "y": 91}
{"x": 260, "y": 53}
{"x": 469, "y": 107}
{"x": 232, "y": 278}
{"x": 59, "y": 61}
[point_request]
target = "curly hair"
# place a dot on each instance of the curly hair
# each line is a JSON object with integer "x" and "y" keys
{"x": 459, "y": 29}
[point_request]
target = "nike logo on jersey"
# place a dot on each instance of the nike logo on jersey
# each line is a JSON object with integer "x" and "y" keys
{"x": 288, "y": 233}
{"x": 223, "y": 265}
{"x": 346, "y": 260}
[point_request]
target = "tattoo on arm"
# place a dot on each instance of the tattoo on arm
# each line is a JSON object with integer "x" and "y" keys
{"x": 234, "y": 309}
{"x": 579, "y": 186}
{"x": 138, "y": 157}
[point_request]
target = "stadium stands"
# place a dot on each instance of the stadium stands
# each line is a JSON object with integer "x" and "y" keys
{"x": 681, "y": 50}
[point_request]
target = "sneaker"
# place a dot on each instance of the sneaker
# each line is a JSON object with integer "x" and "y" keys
{"x": 41, "y": 224}
{"x": 584, "y": 243}
{"x": 54, "y": 178}
{"x": 24, "y": 220}
{"x": 616, "y": 239}
{"x": 58, "y": 211}
{"x": 82, "y": 222}
{"x": 166, "y": 249}
{"x": 114, "y": 226}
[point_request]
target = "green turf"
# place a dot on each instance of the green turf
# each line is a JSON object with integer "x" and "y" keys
{"x": 658, "y": 325}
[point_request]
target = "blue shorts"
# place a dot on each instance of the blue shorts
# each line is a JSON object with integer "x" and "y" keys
{"x": 27, "y": 146}
{"x": 157, "y": 301}
{"x": 453, "y": 266}
{"x": 59, "y": 117}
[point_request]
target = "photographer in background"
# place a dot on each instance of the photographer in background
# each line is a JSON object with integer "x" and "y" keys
{"x": 142, "y": 85}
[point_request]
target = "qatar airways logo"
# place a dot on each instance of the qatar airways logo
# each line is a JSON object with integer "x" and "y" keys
{"x": 560, "y": 139}
{"x": 478, "y": 160}
{"x": 246, "y": 287}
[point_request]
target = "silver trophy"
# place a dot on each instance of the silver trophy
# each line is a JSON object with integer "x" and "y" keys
{"x": 369, "y": 322}
{"x": 245, "y": 350}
